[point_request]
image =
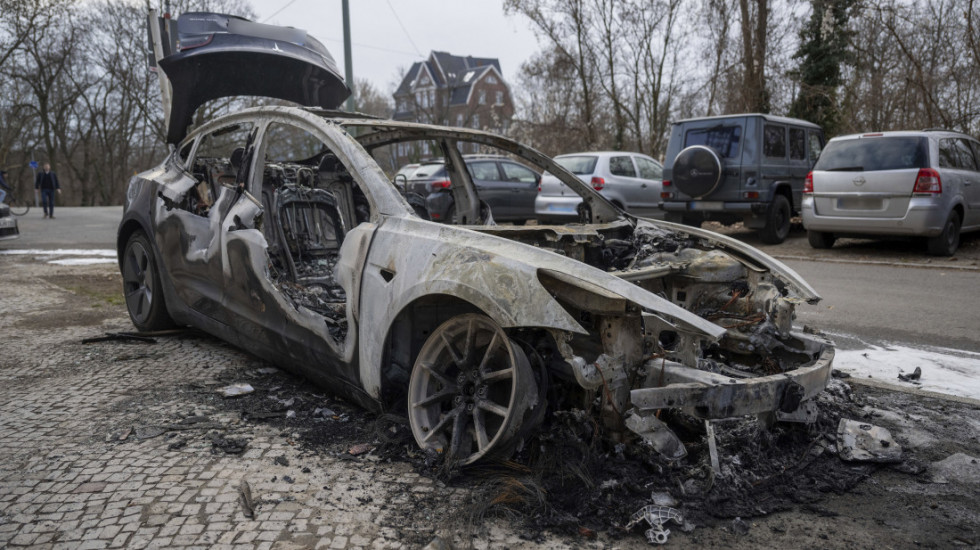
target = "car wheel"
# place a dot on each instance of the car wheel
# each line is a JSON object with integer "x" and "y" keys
{"x": 820, "y": 239}
{"x": 141, "y": 286}
{"x": 471, "y": 390}
{"x": 946, "y": 243}
{"x": 777, "y": 221}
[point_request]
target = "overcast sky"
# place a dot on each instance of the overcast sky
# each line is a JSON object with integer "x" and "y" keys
{"x": 392, "y": 34}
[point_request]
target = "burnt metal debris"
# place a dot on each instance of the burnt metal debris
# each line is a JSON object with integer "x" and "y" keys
{"x": 656, "y": 517}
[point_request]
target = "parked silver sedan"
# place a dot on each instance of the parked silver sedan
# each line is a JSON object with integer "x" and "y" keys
{"x": 630, "y": 181}
{"x": 922, "y": 183}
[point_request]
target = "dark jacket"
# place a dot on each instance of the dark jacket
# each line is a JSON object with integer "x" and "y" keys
{"x": 47, "y": 180}
{"x": 3, "y": 182}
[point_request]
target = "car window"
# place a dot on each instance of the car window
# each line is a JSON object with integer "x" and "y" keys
{"x": 219, "y": 158}
{"x": 298, "y": 162}
{"x": 774, "y": 141}
{"x": 621, "y": 166}
{"x": 816, "y": 145}
{"x": 877, "y": 153}
{"x": 947, "y": 154}
{"x": 430, "y": 171}
{"x": 723, "y": 139}
{"x": 578, "y": 165}
{"x": 797, "y": 144}
{"x": 975, "y": 145}
{"x": 485, "y": 171}
{"x": 516, "y": 172}
{"x": 649, "y": 170}
{"x": 185, "y": 152}
{"x": 966, "y": 160}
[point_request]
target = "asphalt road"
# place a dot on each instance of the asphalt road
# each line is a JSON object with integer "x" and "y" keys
{"x": 875, "y": 298}
{"x": 929, "y": 306}
{"x": 72, "y": 227}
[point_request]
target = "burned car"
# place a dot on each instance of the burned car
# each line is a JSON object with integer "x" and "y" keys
{"x": 275, "y": 229}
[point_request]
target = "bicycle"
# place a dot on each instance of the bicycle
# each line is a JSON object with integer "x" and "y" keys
{"x": 17, "y": 206}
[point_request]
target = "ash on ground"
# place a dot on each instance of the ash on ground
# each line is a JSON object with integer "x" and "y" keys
{"x": 569, "y": 479}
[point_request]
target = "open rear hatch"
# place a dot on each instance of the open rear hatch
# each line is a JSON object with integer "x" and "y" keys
{"x": 220, "y": 55}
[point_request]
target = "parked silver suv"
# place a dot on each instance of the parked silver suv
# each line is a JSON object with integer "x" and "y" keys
{"x": 920, "y": 183}
{"x": 631, "y": 181}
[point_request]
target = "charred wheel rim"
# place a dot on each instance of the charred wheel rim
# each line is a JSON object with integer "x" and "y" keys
{"x": 138, "y": 281}
{"x": 470, "y": 390}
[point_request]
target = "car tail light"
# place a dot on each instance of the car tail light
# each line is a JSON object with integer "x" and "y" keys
{"x": 666, "y": 195}
{"x": 441, "y": 184}
{"x": 750, "y": 195}
{"x": 808, "y": 183}
{"x": 598, "y": 183}
{"x": 928, "y": 181}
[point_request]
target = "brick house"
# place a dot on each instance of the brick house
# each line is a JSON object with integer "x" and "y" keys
{"x": 454, "y": 91}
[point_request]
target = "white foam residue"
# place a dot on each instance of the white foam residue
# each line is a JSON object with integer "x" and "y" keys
{"x": 82, "y": 261}
{"x": 60, "y": 252}
{"x": 944, "y": 370}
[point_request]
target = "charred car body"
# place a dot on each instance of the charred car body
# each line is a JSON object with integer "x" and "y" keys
{"x": 275, "y": 229}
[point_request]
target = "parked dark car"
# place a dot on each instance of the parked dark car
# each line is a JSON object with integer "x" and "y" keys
{"x": 507, "y": 187}
{"x": 747, "y": 167}
{"x": 275, "y": 229}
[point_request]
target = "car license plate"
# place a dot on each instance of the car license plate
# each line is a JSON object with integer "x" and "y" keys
{"x": 708, "y": 205}
{"x": 859, "y": 203}
{"x": 561, "y": 208}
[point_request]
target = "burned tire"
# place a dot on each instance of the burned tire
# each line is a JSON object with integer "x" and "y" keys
{"x": 141, "y": 286}
{"x": 777, "y": 221}
{"x": 820, "y": 239}
{"x": 471, "y": 390}
{"x": 697, "y": 171}
{"x": 946, "y": 243}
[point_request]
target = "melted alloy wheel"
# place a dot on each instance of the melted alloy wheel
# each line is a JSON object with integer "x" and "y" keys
{"x": 470, "y": 390}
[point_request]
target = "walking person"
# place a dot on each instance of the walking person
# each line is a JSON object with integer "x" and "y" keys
{"x": 3, "y": 185}
{"x": 47, "y": 182}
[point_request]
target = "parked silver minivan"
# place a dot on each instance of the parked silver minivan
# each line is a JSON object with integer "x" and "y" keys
{"x": 631, "y": 181}
{"x": 917, "y": 183}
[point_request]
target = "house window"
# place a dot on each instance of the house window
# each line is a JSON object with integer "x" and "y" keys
{"x": 459, "y": 120}
{"x": 499, "y": 99}
{"x": 476, "y": 121}
{"x": 491, "y": 79}
{"x": 482, "y": 97}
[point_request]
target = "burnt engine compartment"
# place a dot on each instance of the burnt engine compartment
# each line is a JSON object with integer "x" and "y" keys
{"x": 704, "y": 279}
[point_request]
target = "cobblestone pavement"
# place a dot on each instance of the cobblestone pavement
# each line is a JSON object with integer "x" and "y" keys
{"x": 106, "y": 445}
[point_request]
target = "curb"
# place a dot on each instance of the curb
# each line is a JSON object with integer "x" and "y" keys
{"x": 877, "y": 262}
{"x": 874, "y": 383}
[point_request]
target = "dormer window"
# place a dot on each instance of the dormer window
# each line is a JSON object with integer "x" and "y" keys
{"x": 491, "y": 79}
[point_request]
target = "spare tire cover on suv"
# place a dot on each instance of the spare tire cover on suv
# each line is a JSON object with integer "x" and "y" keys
{"x": 697, "y": 171}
